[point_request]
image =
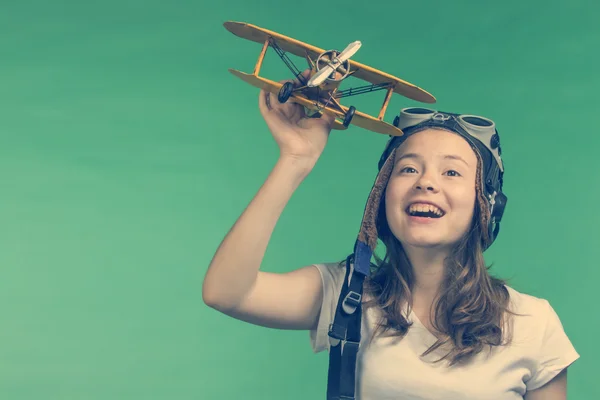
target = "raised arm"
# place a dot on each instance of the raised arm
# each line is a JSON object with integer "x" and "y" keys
{"x": 234, "y": 283}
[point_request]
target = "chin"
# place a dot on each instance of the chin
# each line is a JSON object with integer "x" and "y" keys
{"x": 424, "y": 242}
{"x": 424, "y": 237}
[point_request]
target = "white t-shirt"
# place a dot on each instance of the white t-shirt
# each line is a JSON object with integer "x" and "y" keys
{"x": 391, "y": 368}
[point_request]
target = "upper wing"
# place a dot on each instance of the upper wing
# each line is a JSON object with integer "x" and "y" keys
{"x": 402, "y": 87}
{"x": 260, "y": 35}
{"x": 361, "y": 71}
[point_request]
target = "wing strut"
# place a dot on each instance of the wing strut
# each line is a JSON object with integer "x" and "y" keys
{"x": 297, "y": 73}
{"x": 386, "y": 101}
{"x": 261, "y": 57}
{"x": 363, "y": 89}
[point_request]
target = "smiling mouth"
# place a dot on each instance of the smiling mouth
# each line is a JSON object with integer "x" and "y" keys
{"x": 425, "y": 211}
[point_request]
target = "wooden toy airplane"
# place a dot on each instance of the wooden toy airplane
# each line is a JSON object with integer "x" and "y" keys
{"x": 328, "y": 68}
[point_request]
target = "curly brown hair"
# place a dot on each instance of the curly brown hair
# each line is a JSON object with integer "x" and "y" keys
{"x": 471, "y": 305}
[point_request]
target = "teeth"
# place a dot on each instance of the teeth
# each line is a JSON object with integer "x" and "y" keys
{"x": 425, "y": 208}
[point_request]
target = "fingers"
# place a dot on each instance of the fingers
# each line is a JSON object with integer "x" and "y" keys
{"x": 296, "y": 81}
{"x": 270, "y": 107}
{"x": 264, "y": 101}
{"x": 305, "y": 74}
{"x": 269, "y": 102}
{"x": 327, "y": 119}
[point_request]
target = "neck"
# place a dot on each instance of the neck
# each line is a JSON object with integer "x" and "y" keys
{"x": 428, "y": 268}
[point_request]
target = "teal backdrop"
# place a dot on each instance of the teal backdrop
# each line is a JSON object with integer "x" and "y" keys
{"x": 128, "y": 151}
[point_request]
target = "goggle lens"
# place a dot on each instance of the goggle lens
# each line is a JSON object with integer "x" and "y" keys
{"x": 418, "y": 111}
{"x": 477, "y": 121}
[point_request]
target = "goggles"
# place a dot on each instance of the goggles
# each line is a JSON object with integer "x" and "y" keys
{"x": 477, "y": 130}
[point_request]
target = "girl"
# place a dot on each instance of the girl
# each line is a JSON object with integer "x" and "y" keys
{"x": 425, "y": 322}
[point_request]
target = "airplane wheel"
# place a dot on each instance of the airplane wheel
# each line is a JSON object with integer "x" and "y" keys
{"x": 349, "y": 115}
{"x": 285, "y": 92}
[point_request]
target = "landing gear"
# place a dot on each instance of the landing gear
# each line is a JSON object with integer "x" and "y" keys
{"x": 285, "y": 92}
{"x": 349, "y": 115}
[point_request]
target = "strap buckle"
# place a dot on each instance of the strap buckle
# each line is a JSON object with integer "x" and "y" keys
{"x": 338, "y": 334}
{"x": 351, "y": 302}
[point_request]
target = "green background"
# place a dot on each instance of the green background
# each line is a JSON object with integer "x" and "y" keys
{"x": 128, "y": 151}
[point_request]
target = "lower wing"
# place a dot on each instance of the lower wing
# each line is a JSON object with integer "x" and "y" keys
{"x": 360, "y": 119}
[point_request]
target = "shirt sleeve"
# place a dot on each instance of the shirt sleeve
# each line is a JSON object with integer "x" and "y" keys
{"x": 332, "y": 276}
{"x": 555, "y": 353}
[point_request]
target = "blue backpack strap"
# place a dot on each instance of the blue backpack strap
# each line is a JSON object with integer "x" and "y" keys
{"x": 345, "y": 331}
{"x": 337, "y": 333}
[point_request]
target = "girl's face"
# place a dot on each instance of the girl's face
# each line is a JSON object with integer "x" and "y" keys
{"x": 430, "y": 196}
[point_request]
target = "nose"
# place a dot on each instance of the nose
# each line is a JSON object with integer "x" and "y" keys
{"x": 426, "y": 183}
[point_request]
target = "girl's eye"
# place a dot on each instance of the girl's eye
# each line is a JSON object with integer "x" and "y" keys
{"x": 406, "y": 169}
{"x": 411, "y": 170}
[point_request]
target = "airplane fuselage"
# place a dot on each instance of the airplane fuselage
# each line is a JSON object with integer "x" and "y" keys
{"x": 324, "y": 91}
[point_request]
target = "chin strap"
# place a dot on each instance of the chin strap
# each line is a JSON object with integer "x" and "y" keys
{"x": 345, "y": 331}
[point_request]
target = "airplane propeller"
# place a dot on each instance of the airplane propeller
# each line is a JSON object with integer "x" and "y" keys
{"x": 336, "y": 62}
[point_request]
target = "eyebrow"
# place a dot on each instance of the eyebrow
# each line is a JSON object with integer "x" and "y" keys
{"x": 445, "y": 156}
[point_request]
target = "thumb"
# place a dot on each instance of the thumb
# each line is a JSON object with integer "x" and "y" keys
{"x": 328, "y": 119}
{"x": 306, "y": 73}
